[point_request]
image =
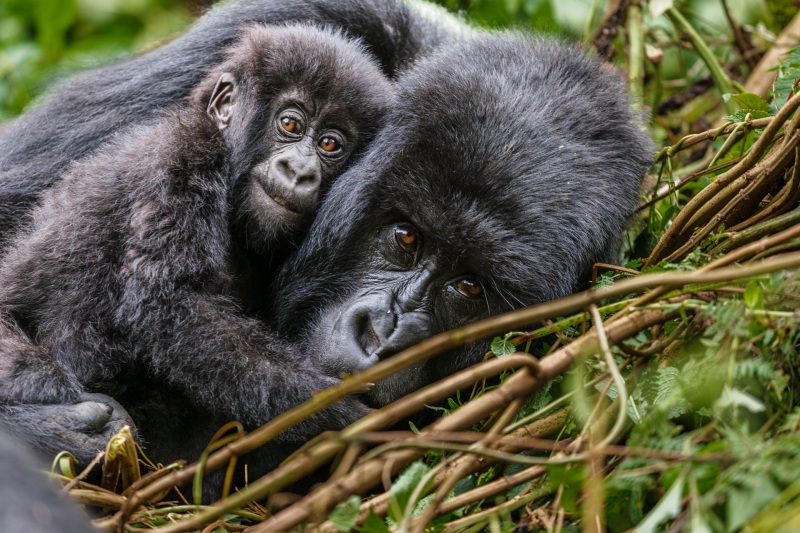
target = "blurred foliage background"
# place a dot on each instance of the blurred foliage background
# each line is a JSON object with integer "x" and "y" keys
{"x": 41, "y": 40}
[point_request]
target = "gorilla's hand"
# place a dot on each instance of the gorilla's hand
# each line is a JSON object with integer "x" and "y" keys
{"x": 118, "y": 418}
{"x": 83, "y": 428}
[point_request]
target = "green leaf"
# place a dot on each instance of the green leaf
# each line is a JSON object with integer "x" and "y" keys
{"x": 734, "y": 397}
{"x": 343, "y": 517}
{"x": 793, "y": 58}
{"x": 64, "y": 464}
{"x": 658, "y": 7}
{"x": 403, "y": 487}
{"x": 698, "y": 523}
{"x": 754, "y": 295}
{"x": 746, "y": 501}
{"x": 374, "y": 524}
{"x": 741, "y": 115}
{"x": 667, "y": 381}
{"x": 784, "y": 84}
{"x": 668, "y": 507}
{"x": 634, "y": 264}
{"x": 502, "y": 346}
{"x": 570, "y": 478}
{"x": 751, "y": 102}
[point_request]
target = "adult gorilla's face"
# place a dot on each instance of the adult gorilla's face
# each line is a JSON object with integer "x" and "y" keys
{"x": 508, "y": 167}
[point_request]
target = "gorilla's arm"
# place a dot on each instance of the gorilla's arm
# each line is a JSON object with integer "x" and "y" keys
{"x": 84, "y": 111}
{"x": 29, "y": 373}
{"x": 229, "y": 364}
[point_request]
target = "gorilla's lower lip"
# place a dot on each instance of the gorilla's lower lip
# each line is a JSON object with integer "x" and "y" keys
{"x": 284, "y": 204}
{"x": 278, "y": 200}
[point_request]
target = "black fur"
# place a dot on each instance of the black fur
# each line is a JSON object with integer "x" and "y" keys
{"x": 130, "y": 274}
{"x": 83, "y": 112}
{"x": 515, "y": 162}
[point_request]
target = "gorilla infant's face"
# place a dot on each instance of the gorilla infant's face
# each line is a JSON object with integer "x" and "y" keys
{"x": 306, "y": 144}
{"x": 303, "y": 145}
{"x": 294, "y": 106}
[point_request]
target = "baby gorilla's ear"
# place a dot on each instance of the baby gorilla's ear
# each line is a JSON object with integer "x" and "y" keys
{"x": 223, "y": 98}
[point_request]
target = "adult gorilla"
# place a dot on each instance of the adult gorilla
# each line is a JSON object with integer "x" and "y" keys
{"x": 508, "y": 167}
{"x": 82, "y": 113}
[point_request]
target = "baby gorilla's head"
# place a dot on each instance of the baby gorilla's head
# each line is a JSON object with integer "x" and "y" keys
{"x": 295, "y": 105}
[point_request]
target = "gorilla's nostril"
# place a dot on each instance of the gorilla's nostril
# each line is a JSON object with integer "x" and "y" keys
{"x": 367, "y": 337}
{"x": 308, "y": 179}
{"x": 286, "y": 166}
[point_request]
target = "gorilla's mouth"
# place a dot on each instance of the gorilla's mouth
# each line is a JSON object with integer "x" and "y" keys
{"x": 282, "y": 202}
{"x": 279, "y": 200}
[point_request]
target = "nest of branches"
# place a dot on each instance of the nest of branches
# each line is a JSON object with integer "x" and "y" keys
{"x": 623, "y": 405}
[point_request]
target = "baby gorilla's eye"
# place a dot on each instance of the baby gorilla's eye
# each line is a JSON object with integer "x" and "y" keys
{"x": 407, "y": 238}
{"x": 469, "y": 287}
{"x": 291, "y": 125}
{"x": 329, "y": 144}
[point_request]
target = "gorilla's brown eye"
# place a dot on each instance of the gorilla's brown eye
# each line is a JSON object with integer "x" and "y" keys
{"x": 291, "y": 125}
{"x": 329, "y": 144}
{"x": 407, "y": 238}
{"x": 469, "y": 287}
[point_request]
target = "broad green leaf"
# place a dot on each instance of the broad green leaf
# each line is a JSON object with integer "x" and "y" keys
{"x": 403, "y": 487}
{"x": 751, "y": 102}
{"x": 734, "y": 397}
{"x": 792, "y": 57}
{"x": 343, "y": 517}
{"x": 754, "y": 295}
{"x": 741, "y": 115}
{"x": 784, "y": 84}
{"x": 570, "y": 478}
{"x": 746, "y": 501}
{"x": 667, "y": 508}
{"x": 374, "y": 524}
{"x": 699, "y": 524}
{"x": 658, "y": 7}
{"x": 502, "y": 346}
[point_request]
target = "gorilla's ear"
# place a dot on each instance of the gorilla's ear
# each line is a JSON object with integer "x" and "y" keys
{"x": 222, "y": 100}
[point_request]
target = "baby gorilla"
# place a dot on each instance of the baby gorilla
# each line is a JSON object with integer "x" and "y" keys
{"x": 131, "y": 273}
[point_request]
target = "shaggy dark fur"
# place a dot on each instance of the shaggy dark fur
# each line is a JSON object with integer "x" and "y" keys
{"x": 133, "y": 271}
{"x": 507, "y": 168}
{"x": 81, "y": 113}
